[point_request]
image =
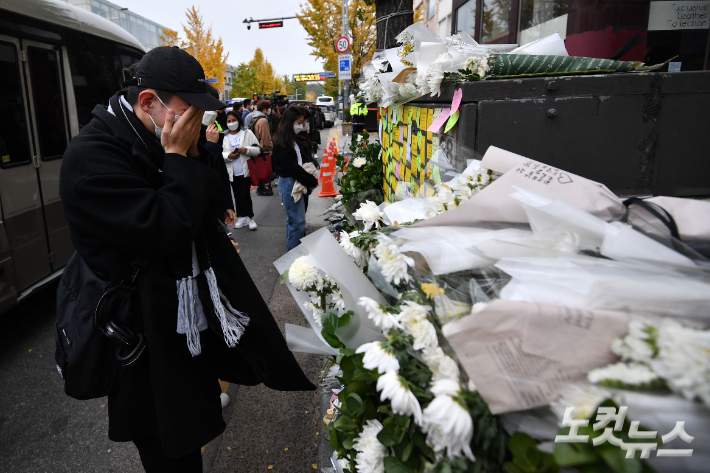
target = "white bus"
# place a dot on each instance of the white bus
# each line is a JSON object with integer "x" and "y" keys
{"x": 58, "y": 62}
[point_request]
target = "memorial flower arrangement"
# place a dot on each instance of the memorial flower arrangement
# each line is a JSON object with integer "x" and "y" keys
{"x": 364, "y": 171}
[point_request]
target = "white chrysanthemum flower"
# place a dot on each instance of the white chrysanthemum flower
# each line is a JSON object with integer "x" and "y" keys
{"x": 384, "y": 320}
{"x": 442, "y": 201}
{"x": 407, "y": 90}
{"x": 566, "y": 242}
{"x": 414, "y": 320}
{"x": 378, "y": 358}
{"x": 478, "y": 307}
{"x": 338, "y": 301}
{"x": 441, "y": 365}
{"x": 435, "y": 74}
{"x": 317, "y": 312}
{"x": 447, "y": 56}
{"x": 359, "y": 162}
{"x": 391, "y": 261}
{"x": 447, "y": 423}
{"x": 422, "y": 83}
{"x": 631, "y": 374}
{"x": 403, "y": 400}
{"x": 370, "y": 452}
{"x": 585, "y": 400}
{"x": 353, "y": 251}
{"x": 303, "y": 274}
{"x": 370, "y": 215}
{"x": 635, "y": 346}
{"x": 683, "y": 359}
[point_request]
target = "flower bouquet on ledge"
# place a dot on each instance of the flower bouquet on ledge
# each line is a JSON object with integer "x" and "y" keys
{"x": 511, "y": 324}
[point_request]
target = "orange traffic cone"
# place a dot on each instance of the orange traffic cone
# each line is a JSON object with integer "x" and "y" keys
{"x": 328, "y": 177}
{"x": 324, "y": 165}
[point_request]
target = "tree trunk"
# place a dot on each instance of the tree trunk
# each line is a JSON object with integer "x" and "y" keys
{"x": 388, "y": 29}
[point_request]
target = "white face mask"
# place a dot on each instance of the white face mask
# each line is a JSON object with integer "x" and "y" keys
{"x": 268, "y": 112}
{"x": 158, "y": 129}
{"x": 307, "y": 126}
{"x": 233, "y": 126}
{"x": 298, "y": 128}
{"x": 208, "y": 118}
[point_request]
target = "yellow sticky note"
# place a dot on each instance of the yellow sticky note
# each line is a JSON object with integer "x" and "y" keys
{"x": 429, "y": 150}
{"x": 395, "y": 133}
{"x": 410, "y": 113}
{"x": 406, "y": 115}
{"x": 408, "y": 175}
{"x": 6, "y": 158}
{"x": 401, "y": 171}
{"x": 430, "y": 120}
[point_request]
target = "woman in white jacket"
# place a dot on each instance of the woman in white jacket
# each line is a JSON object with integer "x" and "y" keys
{"x": 238, "y": 146}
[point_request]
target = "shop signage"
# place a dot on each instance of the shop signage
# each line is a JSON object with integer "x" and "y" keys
{"x": 679, "y": 16}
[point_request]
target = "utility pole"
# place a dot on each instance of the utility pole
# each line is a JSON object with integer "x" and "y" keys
{"x": 392, "y": 17}
{"x": 346, "y": 91}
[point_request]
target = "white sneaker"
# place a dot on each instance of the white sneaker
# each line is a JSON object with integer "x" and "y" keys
{"x": 241, "y": 222}
{"x": 225, "y": 400}
{"x": 252, "y": 224}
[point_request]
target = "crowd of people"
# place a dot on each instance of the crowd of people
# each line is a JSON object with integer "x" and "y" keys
{"x": 287, "y": 135}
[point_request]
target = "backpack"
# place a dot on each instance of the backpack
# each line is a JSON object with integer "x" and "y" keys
{"x": 94, "y": 346}
{"x": 253, "y": 124}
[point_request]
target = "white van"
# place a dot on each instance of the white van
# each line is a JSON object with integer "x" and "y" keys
{"x": 327, "y": 106}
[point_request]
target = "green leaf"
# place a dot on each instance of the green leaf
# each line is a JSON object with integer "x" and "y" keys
{"x": 347, "y": 351}
{"x": 511, "y": 468}
{"x": 386, "y": 435}
{"x": 284, "y": 276}
{"x": 407, "y": 452}
{"x": 332, "y": 340}
{"x": 574, "y": 454}
{"x": 615, "y": 458}
{"x": 394, "y": 465}
{"x": 348, "y": 442}
{"x": 354, "y": 401}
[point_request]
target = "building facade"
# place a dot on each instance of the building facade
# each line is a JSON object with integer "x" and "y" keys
{"x": 146, "y": 31}
{"x": 229, "y": 76}
{"x": 656, "y": 30}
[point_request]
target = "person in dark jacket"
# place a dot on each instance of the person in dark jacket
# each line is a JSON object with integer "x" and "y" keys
{"x": 287, "y": 160}
{"x": 135, "y": 184}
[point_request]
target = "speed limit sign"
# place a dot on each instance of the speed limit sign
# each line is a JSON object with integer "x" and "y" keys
{"x": 342, "y": 45}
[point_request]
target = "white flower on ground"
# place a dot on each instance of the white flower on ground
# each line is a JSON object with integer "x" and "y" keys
{"x": 317, "y": 312}
{"x": 478, "y": 307}
{"x": 359, "y": 162}
{"x": 441, "y": 365}
{"x": 370, "y": 452}
{"x": 442, "y": 201}
{"x": 414, "y": 320}
{"x": 447, "y": 423}
{"x": 384, "y": 320}
{"x": 391, "y": 261}
{"x": 353, "y": 251}
{"x": 370, "y": 215}
{"x": 403, "y": 400}
{"x": 584, "y": 398}
{"x": 631, "y": 374}
{"x": 683, "y": 359}
{"x": 378, "y": 358}
{"x": 435, "y": 74}
{"x": 303, "y": 274}
{"x": 635, "y": 346}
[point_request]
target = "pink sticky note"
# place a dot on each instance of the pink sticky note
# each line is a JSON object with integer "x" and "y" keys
{"x": 457, "y": 101}
{"x": 440, "y": 120}
{"x": 396, "y": 168}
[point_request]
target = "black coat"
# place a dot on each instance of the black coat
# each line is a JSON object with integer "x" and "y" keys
{"x": 284, "y": 162}
{"x": 124, "y": 198}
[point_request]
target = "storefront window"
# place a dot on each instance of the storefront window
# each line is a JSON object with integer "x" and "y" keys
{"x": 495, "y": 22}
{"x": 431, "y": 8}
{"x": 540, "y": 18}
{"x": 466, "y": 18}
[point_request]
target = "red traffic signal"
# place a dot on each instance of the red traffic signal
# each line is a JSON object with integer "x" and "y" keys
{"x": 271, "y": 24}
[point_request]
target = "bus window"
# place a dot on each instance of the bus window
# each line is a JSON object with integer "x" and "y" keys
{"x": 14, "y": 136}
{"x": 48, "y": 103}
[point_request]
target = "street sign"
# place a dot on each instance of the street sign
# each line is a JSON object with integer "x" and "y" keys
{"x": 342, "y": 45}
{"x": 344, "y": 66}
{"x": 211, "y": 81}
{"x": 271, "y": 24}
{"x": 312, "y": 76}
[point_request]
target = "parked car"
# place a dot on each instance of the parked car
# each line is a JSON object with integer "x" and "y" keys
{"x": 329, "y": 114}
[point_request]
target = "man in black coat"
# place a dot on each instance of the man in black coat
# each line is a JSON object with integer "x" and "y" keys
{"x": 135, "y": 184}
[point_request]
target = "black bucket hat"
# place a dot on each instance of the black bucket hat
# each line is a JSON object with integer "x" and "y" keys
{"x": 171, "y": 69}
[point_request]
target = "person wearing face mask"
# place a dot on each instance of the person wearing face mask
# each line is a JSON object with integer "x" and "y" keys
{"x": 212, "y": 138}
{"x": 239, "y": 146}
{"x": 287, "y": 159}
{"x": 138, "y": 190}
{"x": 248, "y": 107}
{"x": 258, "y": 123}
{"x": 307, "y": 145}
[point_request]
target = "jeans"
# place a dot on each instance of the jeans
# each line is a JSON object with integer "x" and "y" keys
{"x": 242, "y": 196}
{"x": 295, "y": 213}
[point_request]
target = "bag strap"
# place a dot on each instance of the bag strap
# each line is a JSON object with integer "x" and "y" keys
{"x": 655, "y": 210}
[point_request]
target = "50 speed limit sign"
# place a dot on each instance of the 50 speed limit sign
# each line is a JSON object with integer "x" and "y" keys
{"x": 342, "y": 45}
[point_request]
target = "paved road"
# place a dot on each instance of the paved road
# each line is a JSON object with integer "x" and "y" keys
{"x": 43, "y": 430}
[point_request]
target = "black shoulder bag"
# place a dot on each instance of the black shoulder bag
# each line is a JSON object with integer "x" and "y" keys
{"x": 94, "y": 344}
